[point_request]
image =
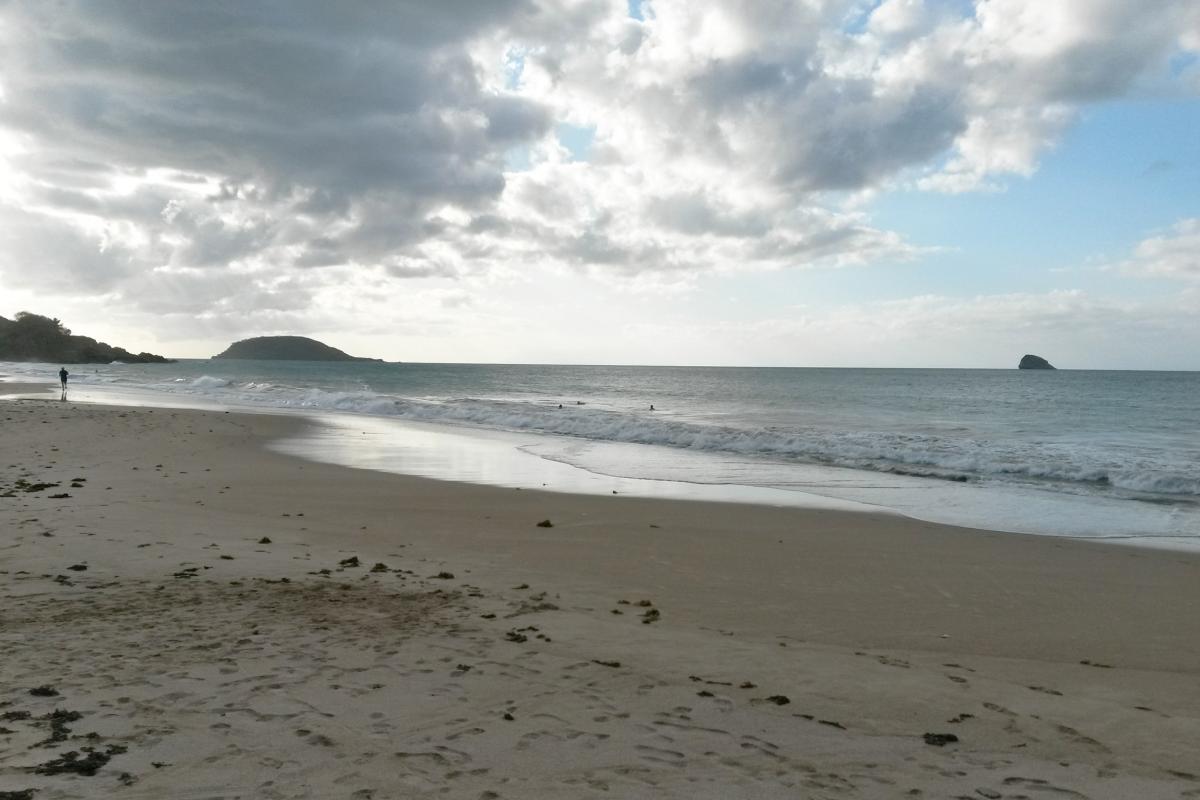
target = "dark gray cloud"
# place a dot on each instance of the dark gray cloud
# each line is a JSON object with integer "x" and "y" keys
{"x": 848, "y": 136}
{"x": 40, "y": 252}
{"x": 331, "y": 131}
{"x": 698, "y": 214}
{"x": 223, "y": 156}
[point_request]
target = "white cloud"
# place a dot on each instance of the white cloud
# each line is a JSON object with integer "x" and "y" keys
{"x": 1172, "y": 254}
{"x": 290, "y": 163}
{"x": 773, "y": 105}
{"x": 1072, "y": 328}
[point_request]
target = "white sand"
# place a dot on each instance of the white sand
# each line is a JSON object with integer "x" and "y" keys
{"x": 228, "y": 668}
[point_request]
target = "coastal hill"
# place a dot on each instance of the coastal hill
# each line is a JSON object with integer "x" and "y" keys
{"x": 30, "y": 337}
{"x": 286, "y": 348}
{"x": 1034, "y": 362}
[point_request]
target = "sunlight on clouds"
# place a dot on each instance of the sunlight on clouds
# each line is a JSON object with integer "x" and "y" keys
{"x": 1173, "y": 254}
{"x": 938, "y": 331}
{"x": 399, "y": 168}
{"x": 999, "y": 144}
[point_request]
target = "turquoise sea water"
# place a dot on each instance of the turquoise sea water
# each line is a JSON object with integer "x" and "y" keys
{"x": 1109, "y": 454}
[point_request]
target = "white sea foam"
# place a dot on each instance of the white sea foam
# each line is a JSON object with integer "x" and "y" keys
{"x": 953, "y": 458}
{"x": 1111, "y": 434}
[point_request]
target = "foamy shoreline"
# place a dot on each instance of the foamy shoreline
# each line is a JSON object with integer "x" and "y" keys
{"x": 467, "y": 453}
{"x": 285, "y": 668}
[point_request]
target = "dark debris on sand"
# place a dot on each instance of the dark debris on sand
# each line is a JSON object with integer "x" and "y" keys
{"x": 71, "y": 762}
{"x": 59, "y": 720}
{"x": 23, "y": 485}
{"x": 21, "y": 794}
{"x": 940, "y": 739}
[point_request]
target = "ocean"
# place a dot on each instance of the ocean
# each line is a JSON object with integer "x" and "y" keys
{"x": 1094, "y": 454}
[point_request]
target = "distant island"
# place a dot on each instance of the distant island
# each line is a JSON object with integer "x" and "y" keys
{"x": 286, "y": 348}
{"x": 1034, "y": 362}
{"x": 31, "y": 337}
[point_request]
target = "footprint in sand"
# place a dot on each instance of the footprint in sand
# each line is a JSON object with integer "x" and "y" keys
{"x": 660, "y": 755}
{"x": 1039, "y": 785}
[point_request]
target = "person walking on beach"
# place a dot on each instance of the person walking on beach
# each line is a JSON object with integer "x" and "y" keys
{"x": 62, "y": 376}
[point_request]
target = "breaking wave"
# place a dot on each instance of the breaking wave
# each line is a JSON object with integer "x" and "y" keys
{"x": 951, "y": 458}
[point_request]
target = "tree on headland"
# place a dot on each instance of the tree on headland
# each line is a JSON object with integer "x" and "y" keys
{"x": 32, "y": 337}
{"x": 31, "y": 334}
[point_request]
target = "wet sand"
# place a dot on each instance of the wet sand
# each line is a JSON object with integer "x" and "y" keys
{"x": 228, "y": 621}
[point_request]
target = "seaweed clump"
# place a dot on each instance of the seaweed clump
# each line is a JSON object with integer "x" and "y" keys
{"x": 73, "y": 763}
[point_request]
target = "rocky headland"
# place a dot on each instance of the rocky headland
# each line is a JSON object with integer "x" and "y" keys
{"x": 286, "y": 348}
{"x": 1034, "y": 362}
{"x": 31, "y": 337}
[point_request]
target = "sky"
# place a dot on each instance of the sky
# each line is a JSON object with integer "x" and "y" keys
{"x": 905, "y": 183}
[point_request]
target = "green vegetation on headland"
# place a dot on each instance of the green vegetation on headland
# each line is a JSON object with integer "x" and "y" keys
{"x": 30, "y": 337}
{"x": 286, "y": 348}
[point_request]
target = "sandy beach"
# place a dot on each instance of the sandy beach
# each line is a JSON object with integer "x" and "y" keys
{"x": 192, "y": 615}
